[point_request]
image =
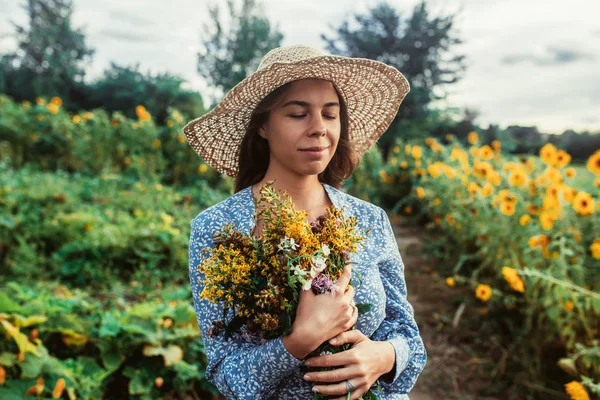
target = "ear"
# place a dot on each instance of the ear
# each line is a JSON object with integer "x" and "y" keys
{"x": 262, "y": 132}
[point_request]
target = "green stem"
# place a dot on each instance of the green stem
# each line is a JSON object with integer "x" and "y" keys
{"x": 529, "y": 272}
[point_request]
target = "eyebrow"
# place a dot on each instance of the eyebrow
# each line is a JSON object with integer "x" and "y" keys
{"x": 306, "y": 104}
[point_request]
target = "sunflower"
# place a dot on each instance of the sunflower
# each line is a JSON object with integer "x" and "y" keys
{"x": 473, "y": 137}
{"x": 486, "y": 152}
{"x": 583, "y": 203}
{"x": 487, "y": 190}
{"x": 507, "y": 208}
{"x": 562, "y": 158}
{"x": 525, "y": 219}
{"x": 416, "y": 152}
{"x": 518, "y": 177}
{"x": 576, "y": 391}
{"x": 546, "y": 220}
{"x": 482, "y": 169}
{"x": 483, "y": 292}
{"x": 496, "y": 145}
{"x": 513, "y": 279}
{"x": 593, "y": 163}
{"x": 570, "y": 172}
{"x": 548, "y": 154}
{"x": 420, "y": 192}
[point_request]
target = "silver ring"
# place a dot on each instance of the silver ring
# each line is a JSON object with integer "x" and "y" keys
{"x": 349, "y": 387}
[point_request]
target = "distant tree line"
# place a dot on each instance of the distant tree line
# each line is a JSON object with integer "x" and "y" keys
{"x": 52, "y": 56}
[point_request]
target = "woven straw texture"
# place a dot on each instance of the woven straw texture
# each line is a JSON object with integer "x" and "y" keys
{"x": 372, "y": 91}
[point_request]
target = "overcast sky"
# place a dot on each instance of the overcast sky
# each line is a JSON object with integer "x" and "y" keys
{"x": 529, "y": 62}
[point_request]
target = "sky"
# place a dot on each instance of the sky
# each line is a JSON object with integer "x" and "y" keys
{"x": 528, "y": 62}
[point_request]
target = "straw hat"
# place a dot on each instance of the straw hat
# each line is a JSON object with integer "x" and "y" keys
{"x": 371, "y": 90}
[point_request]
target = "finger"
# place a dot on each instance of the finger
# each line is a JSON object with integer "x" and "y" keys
{"x": 338, "y": 389}
{"x": 332, "y": 376}
{"x": 342, "y": 358}
{"x": 344, "y": 279}
{"x": 349, "y": 295}
{"x": 352, "y": 336}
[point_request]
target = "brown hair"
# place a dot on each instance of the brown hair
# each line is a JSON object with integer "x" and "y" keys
{"x": 254, "y": 150}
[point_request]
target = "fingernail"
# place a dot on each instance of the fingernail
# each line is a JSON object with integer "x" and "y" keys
{"x": 306, "y": 377}
{"x": 333, "y": 341}
{"x": 315, "y": 389}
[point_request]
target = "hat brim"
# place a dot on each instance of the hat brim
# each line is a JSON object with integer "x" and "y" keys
{"x": 372, "y": 91}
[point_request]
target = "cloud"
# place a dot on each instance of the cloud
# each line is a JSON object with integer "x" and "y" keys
{"x": 132, "y": 36}
{"x": 553, "y": 55}
{"x": 132, "y": 19}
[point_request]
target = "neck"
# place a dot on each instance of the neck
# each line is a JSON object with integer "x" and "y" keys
{"x": 307, "y": 192}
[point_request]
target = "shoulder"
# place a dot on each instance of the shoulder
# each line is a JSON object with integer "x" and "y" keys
{"x": 362, "y": 209}
{"x": 214, "y": 216}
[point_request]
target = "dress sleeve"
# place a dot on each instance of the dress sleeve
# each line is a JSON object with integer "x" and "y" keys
{"x": 399, "y": 327}
{"x": 239, "y": 369}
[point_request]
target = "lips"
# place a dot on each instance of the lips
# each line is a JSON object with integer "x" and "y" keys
{"x": 316, "y": 148}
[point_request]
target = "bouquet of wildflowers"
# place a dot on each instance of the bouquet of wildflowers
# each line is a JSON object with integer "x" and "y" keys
{"x": 260, "y": 278}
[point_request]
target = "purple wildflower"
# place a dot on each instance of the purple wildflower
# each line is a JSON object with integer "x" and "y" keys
{"x": 323, "y": 284}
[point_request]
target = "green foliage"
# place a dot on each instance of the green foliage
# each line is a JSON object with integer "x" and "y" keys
{"x": 123, "y": 88}
{"x": 96, "y": 143}
{"x": 97, "y": 351}
{"x": 87, "y": 231}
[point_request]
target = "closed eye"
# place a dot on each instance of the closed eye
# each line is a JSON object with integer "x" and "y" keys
{"x": 304, "y": 115}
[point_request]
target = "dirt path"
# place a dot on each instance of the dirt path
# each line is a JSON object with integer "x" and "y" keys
{"x": 451, "y": 372}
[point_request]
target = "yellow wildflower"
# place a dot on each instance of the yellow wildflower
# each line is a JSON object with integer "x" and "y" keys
{"x": 486, "y": 152}
{"x": 593, "y": 163}
{"x": 450, "y": 281}
{"x": 562, "y": 158}
{"x": 507, "y": 208}
{"x": 595, "y": 248}
{"x": 417, "y": 152}
{"x": 524, "y": 220}
{"x": 548, "y": 154}
{"x": 483, "y": 292}
{"x": 473, "y": 138}
{"x": 576, "y": 391}
{"x": 583, "y": 203}
{"x": 512, "y": 277}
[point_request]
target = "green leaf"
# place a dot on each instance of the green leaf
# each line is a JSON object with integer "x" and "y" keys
{"x": 364, "y": 307}
{"x": 15, "y": 389}
{"x": 8, "y": 359}
{"x": 7, "y": 305}
{"x": 143, "y": 310}
{"x": 111, "y": 355}
{"x": 110, "y": 325}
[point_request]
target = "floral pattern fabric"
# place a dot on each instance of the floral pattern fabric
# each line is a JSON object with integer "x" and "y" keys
{"x": 245, "y": 370}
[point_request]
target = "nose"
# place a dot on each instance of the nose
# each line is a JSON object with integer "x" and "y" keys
{"x": 319, "y": 128}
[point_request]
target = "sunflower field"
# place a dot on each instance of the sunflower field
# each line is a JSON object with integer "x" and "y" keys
{"x": 522, "y": 235}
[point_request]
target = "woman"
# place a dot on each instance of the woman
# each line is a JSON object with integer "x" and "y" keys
{"x": 304, "y": 119}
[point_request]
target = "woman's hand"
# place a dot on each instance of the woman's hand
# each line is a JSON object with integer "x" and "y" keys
{"x": 319, "y": 317}
{"x": 362, "y": 364}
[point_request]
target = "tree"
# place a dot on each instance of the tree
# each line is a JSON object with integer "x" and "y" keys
{"x": 123, "y": 88}
{"x": 417, "y": 46}
{"x": 51, "y": 56}
{"x": 230, "y": 55}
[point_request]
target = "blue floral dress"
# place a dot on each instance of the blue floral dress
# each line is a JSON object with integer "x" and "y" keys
{"x": 245, "y": 370}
